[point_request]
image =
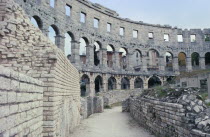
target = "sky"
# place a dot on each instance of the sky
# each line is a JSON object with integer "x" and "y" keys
{"x": 181, "y": 13}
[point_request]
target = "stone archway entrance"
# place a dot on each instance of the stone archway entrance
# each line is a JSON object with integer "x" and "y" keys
{"x": 84, "y": 85}
{"x": 154, "y": 81}
{"x": 98, "y": 84}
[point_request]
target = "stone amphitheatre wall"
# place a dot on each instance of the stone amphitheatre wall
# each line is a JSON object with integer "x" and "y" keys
{"x": 21, "y": 104}
{"x": 25, "y": 49}
{"x": 162, "y": 118}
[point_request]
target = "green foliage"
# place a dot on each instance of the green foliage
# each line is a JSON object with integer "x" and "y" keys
{"x": 107, "y": 107}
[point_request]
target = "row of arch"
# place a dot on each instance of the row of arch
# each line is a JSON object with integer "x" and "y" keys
{"x": 112, "y": 84}
{"x": 153, "y": 54}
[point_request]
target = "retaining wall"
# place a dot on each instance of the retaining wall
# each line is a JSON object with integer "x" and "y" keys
{"x": 162, "y": 119}
{"x": 21, "y": 105}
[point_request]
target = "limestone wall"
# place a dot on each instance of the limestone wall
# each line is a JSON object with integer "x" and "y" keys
{"x": 24, "y": 48}
{"x": 163, "y": 119}
{"x": 21, "y": 105}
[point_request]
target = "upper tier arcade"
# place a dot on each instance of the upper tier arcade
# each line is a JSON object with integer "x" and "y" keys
{"x": 116, "y": 45}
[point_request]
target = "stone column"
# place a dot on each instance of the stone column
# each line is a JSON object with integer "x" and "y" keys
{"x": 92, "y": 88}
{"x": 59, "y": 41}
{"x": 130, "y": 64}
{"x": 189, "y": 64}
{"x": 104, "y": 58}
{"x": 117, "y": 61}
{"x": 45, "y": 29}
{"x": 144, "y": 63}
{"x": 132, "y": 83}
{"x": 202, "y": 63}
{"x": 161, "y": 63}
{"x": 90, "y": 55}
{"x": 75, "y": 57}
{"x": 118, "y": 83}
{"x": 208, "y": 83}
{"x": 176, "y": 64}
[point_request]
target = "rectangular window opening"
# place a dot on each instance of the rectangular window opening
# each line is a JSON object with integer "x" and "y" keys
{"x": 166, "y": 37}
{"x": 192, "y": 38}
{"x": 109, "y": 27}
{"x": 82, "y": 17}
{"x": 52, "y": 3}
{"x": 150, "y": 35}
{"x": 68, "y": 10}
{"x": 122, "y": 31}
{"x": 96, "y": 23}
{"x": 180, "y": 38}
{"x": 207, "y": 37}
{"x": 135, "y": 33}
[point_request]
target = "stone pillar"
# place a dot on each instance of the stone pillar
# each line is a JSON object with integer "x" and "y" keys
{"x": 144, "y": 63}
{"x": 132, "y": 83}
{"x": 161, "y": 63}
{"x": 118, "y": 83}
{"x": 117, "y": 61}
{"x": 104, "y": 58}
{"x": 130, "y": 64}
{"x": 45, "y": 29}
{"x": 202, "y": 63}
{"x": 59, "y": 41}
{"x": 75, "y": 57}
{"x": 189, "y": 64}
{"x": 208, "y": 83}
{"x": 90, "y": 55}
{"x": 176, "y": 64}
{"x": 145, "y": 84}
{"x": 92, "y": 88}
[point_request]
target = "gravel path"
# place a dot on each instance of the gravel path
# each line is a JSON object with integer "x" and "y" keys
{"x": 111, "y": 123}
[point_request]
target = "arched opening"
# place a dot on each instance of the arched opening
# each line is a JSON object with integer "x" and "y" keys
{"x": 112, "y": 83}
{"x": 98, "y": 84}
{"x": 67, "y": 48}
{"x": 110, "y": 54}
{"x": 171, "y": 80}
{"x": 123, "y": 58}
{"x": 195, "y": 57}
{"x": 154, "y": 81}
{"x": 182, "y": 61}
{"x": 82, "y": 49}
{"x": 84, "y": 85}
{"x": 207, "y": 60}
{"x": 53, "y": 33}
{"x": 97, "y": 55}
{"x": 137, "y": 59}
{"x": 153, "y": 60}
{"x": 169, "y": 61}
{"x": 138, "y": 83}
{"x": 36, "y": 21}
{"x": 125, "y": 83}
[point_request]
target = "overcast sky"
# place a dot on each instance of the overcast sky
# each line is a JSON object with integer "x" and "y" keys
{"x": 180, "y": 13}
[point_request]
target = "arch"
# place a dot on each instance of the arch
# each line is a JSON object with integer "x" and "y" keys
{"x": 53, "y": 32}
{"x": 125, "y": 83}
{"x": 84, "y": 85}
{"x": 207, "y": 60}
{"x": 97, "y": 55}
{"x": 110, "y": 54}
{"x": 168, "y": 56}
{"x": 154, "y": 81}
{"x": 123, "y": 61}
{"x": 153, "y": 59}
{"x": 36, "y": 21}
{"x": 82, "y": 49}
{"x": 98, "y": 84}
{"x": 195, "y": 57}
{"x": 138, "y": 83}
{"x": 182, "y": 61}
{"x": 69, "y": 37}
{"x": 112, "y": 83}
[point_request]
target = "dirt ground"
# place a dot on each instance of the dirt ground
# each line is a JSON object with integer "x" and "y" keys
{"x": 111, "y": 123}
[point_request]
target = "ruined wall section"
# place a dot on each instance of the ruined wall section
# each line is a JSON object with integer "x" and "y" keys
{"x": 21, "y": 105}
{"x": 162, "y": 118}
{"x": 24, "y": 48}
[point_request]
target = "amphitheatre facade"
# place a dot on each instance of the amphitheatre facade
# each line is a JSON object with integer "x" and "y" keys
{"x": 82, "y": 49}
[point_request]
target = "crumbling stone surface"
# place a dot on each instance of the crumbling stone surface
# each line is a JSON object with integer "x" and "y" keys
{"x": 177, "y": 112}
